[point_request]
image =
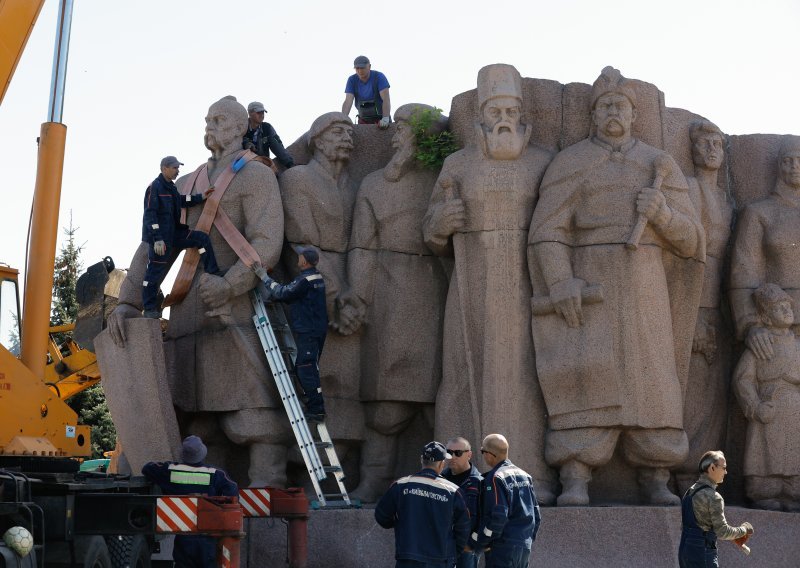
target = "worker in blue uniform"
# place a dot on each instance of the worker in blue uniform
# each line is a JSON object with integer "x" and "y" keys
{"x": 428, "y": 513}
{"x": 189, "y": 477}
{"x": 461, "y": 471}
{"x": 309, "y": 321}
{"x": 261, "y": 136}
{"x": 510, "y": 516}
{"x": 165, "y": 235}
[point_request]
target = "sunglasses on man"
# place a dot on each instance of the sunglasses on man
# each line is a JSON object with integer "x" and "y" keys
{"x": 457, "y": 453}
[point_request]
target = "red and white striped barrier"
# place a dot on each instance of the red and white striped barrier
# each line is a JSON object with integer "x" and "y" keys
{"x": 255, "y": 502}
{"x": 176, "y": 514}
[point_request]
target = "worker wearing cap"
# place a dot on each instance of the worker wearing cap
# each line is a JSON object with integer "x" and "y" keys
{"x": 166, "y": 236}
{"x": 428, "y": 513}
{"x": 306, "y": 294}
{"x": 261, "y": 137}
{"x": 191, "y": 476}
{"x": 510, "y": 516}
{"x": 370, "y": 90}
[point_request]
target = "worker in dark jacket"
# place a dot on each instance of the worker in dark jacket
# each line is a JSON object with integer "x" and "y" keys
{"x": 261, "y": 136}
{"x": 463, "y": 473}
{"x": 428, "y": 514}
{"x": 165, "y": 235}
{"x": 510, "y": 515}
{"x": 189, "y": 477}
{"x": 309, "y": 318}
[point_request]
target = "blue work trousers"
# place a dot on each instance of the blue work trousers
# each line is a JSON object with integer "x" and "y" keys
{"x": 195, "y": 551}
{"x": 309, "y": 350}
{"x": 467, "y": 560}
{"x": 158, "y": 266}
{"x": 507, "y": 557}
{"x": 417, "y": 564}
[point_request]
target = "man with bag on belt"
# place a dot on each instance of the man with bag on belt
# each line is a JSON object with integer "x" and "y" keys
{"x": 703, "y": 516}
{"x": 309, "y": 315}
{"x": 262, "y": 138}
{"x": 370, "y": 90}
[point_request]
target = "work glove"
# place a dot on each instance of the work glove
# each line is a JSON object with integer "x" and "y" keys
{"x": 261, "y": 272}
{"x": 160, "y": 248}
{"x": 384, "y": 123}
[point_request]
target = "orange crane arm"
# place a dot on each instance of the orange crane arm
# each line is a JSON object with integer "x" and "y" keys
{"x": 17, "y": 18}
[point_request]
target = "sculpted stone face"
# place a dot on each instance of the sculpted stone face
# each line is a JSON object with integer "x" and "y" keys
{"x": 707, "y": 151}
{"x": 780, "y": 314}
{"x": 504, "y": 134}
{"x": 405, "y": 148}
{"x": 790, "y": 168}
{"x": 221, "y": 128}
{"x": 613, "y": 115}
{"x": 403, "y": 136}
{"x": 336, "y": 142}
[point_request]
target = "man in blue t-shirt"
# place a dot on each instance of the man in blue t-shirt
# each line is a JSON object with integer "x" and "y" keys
{"x": 370, "y": 90}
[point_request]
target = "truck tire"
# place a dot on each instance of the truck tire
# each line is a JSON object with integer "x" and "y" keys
{"x": 97, "y": 555}
{"x": 129, "y": 551}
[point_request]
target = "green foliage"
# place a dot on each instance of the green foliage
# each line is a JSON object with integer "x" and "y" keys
{"x": 433, "y": 144}
{"x": 65, "y": 277}
{"x": 13, "y": 337}
{"x": 92, "y": 410}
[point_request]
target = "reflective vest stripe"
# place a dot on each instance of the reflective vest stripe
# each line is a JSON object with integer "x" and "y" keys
{"x": 189, "y": 478}
{"x": 255, "y": 502}
{"x": 176, "y": 514}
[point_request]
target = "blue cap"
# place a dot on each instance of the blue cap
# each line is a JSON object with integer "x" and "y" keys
{"x": 434, "y": 452}
{"x": 193, "y": 450}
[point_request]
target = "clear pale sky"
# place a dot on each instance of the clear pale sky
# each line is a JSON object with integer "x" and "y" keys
{"x": 142, "y": 74}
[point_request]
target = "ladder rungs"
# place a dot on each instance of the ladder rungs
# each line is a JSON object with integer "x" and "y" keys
{"x": 332, "y": 468}
{"x": 323, "y": 444}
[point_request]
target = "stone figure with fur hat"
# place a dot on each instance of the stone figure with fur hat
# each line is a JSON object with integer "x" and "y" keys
{"x": 614, "y": 315}
{"x": 479, "y": 214}
{"x": 191, "y": 476}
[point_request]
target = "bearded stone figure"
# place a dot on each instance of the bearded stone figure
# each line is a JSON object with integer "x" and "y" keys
{"x": 479, "y": 213}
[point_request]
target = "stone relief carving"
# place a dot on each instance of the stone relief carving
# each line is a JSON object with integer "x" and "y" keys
{"x": 479, "y": 213}
{"x": 397, "y": 292}
{"x": 709, "y": 368}
{"x": 769, "y": 393}
{"x": 606, "y": 313}
{"x": 218, "y": 374}
{"x": 595, "y": 352}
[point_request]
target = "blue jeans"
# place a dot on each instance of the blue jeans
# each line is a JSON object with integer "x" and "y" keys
{"x": 507, "y": 557}
{"x": 467, "y": 560}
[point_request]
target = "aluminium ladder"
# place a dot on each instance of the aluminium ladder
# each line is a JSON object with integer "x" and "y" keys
{"x": 280, "y": 353}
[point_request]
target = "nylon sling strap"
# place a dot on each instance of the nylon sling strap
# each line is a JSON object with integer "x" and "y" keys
{"x": 211, "y": 215}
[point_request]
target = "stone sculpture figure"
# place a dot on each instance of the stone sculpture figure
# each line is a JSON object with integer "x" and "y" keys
{"x": 216, "y": 365}
{"x": 766, "y": 249}
{"x": 609, "y": 310}
{"x": 769, "y": 394}
{"x": 479, "y": 212}
{"x": 318, "y": 200}
{"x": 705, "y": 412}
{"x": 398, "y": 290}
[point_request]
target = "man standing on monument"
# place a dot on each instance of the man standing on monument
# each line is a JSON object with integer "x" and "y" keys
{"x": 479, "y": 213}
{"x": 612, "y": 302}
{"x": 389, "y": 265}
{"x": 218, "y": 377}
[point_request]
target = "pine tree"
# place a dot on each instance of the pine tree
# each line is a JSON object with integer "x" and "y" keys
{"x": 90, "y": 405}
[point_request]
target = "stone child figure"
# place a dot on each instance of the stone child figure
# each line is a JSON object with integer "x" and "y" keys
{"x": 218, "y": 374}
{"x": 479, "y": 212}
{"x": 769, "y": 394}
{"x": 705, "y": 413}
{"x": 398, "y": 287}
{"x": 165, "y": 235}
{"x": 765, "y": 249}
{"x": 606, "y": 315}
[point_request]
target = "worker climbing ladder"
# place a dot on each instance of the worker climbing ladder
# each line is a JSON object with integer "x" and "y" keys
{"x": 279, "y": 347}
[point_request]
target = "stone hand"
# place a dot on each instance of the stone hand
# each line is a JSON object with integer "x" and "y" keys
{"x": 705, "y": 340}
{"x": 765, "y": 413}
{"x": 160, "y": 248}
{"x": 759, "y": 341}
{"x": 566, "y": 299}
{"x": 116, "y": 322}
{"x": 216, "y": 292}
{"x": 652, "y": 204}
{"x": 451, "y": 217}
{"x": 350, "y": 315}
